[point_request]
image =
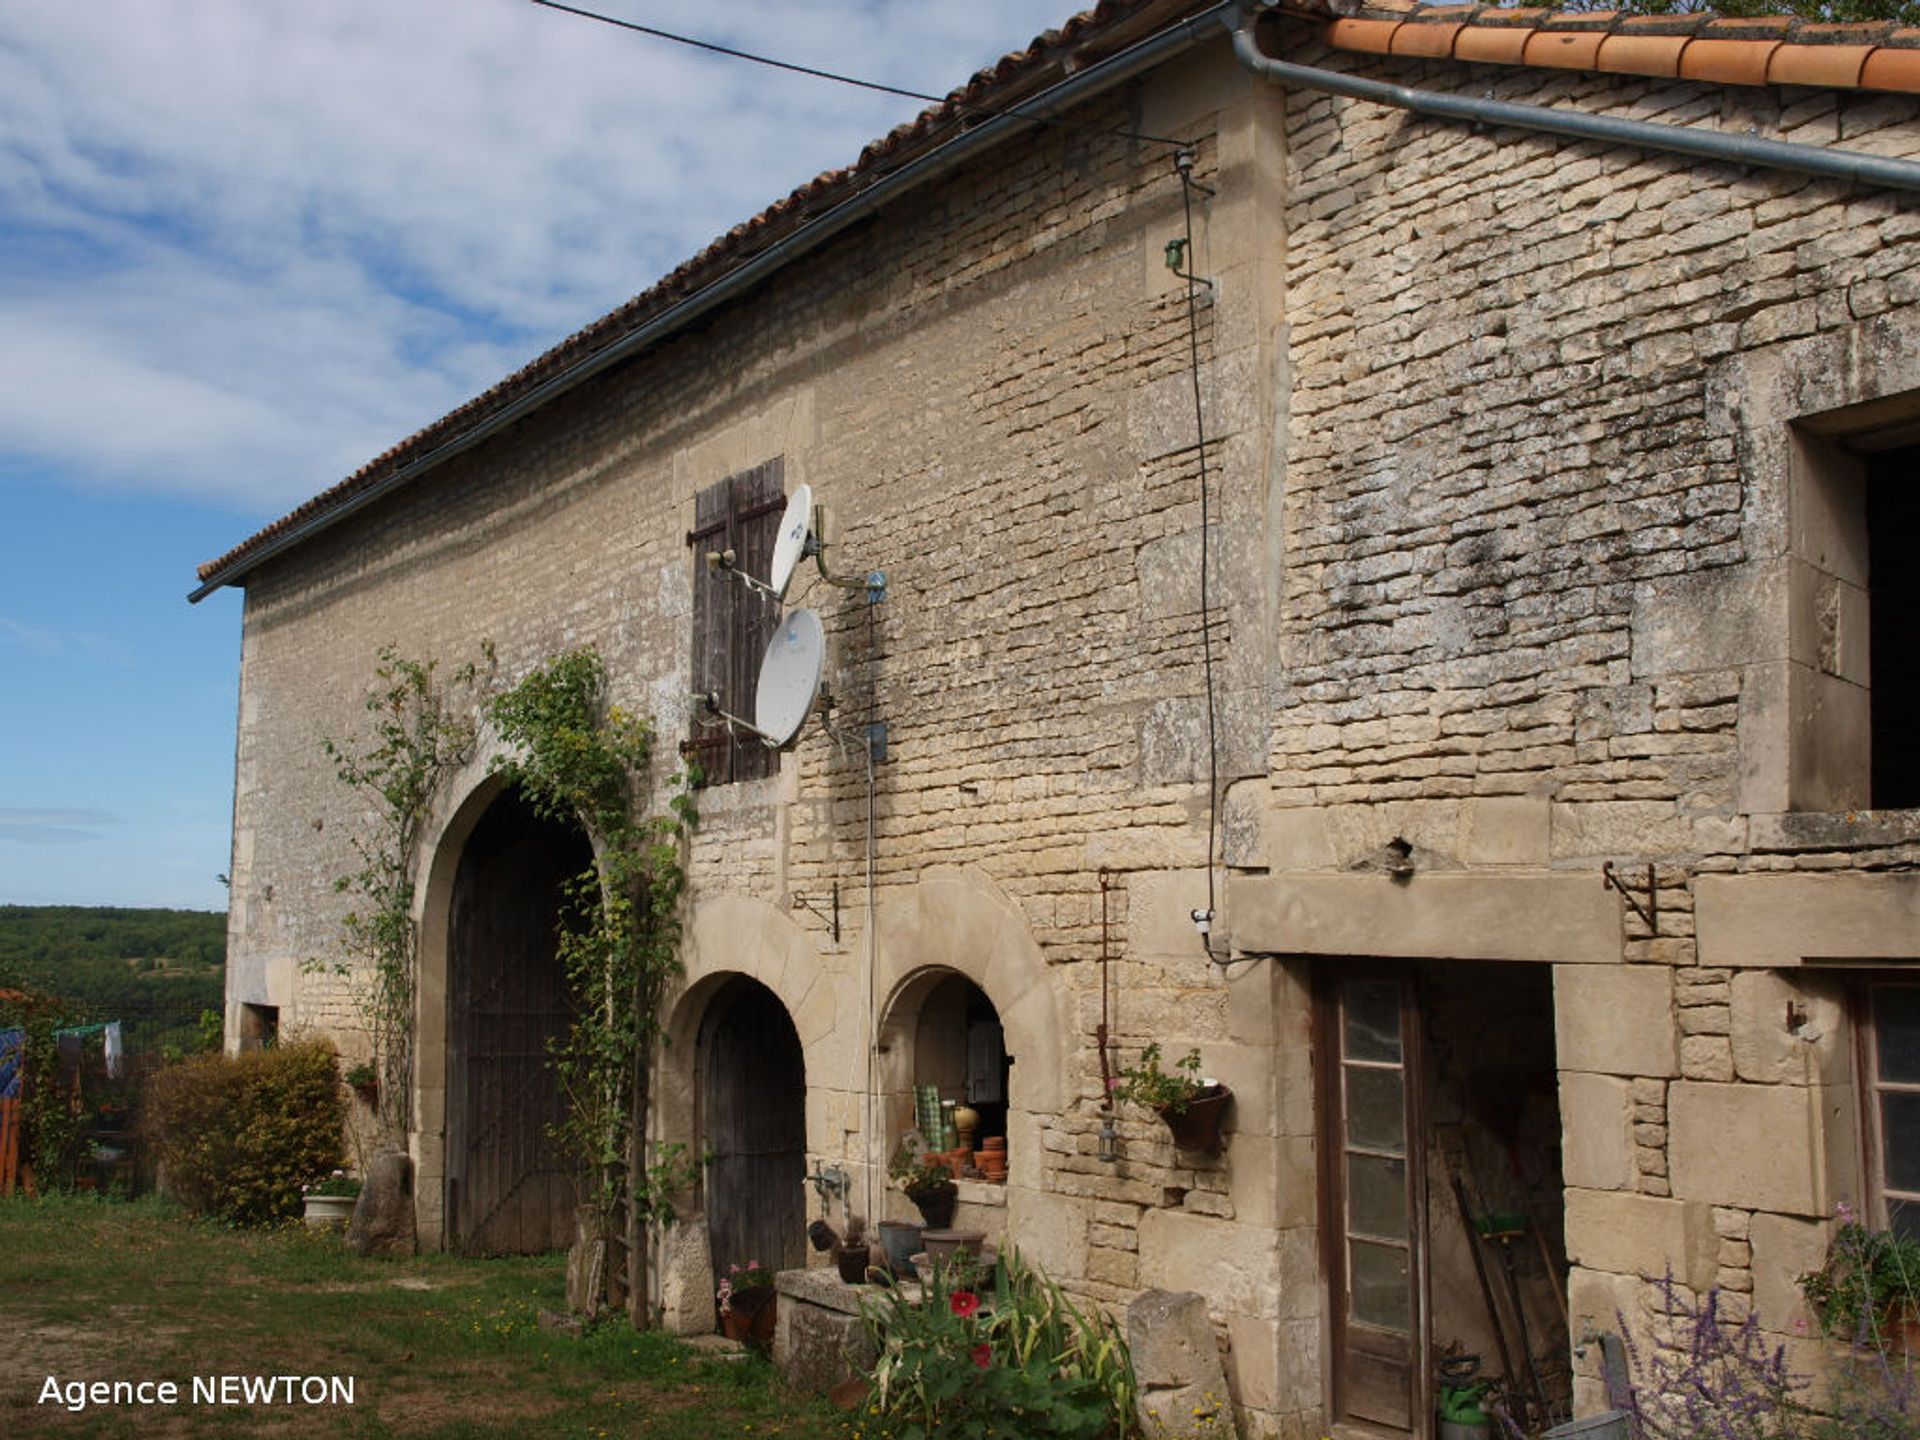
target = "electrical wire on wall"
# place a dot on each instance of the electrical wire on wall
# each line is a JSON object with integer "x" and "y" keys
{"x": 1182, "y": 250}
{"x": 973, "y": 112}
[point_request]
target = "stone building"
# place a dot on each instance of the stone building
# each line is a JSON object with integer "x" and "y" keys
{"x": 1544, "y": 736}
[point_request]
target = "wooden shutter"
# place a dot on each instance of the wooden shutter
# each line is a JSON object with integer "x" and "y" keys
{"x": 732, "y": 624}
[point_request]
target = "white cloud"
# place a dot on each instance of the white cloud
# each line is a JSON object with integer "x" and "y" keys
{"x": 251, "y": 243}
{"x": 52, "y": 827}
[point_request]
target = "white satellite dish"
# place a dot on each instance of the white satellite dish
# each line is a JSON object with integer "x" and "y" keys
{"x": 790, "y": 546}
{"x": 789, "y": 674}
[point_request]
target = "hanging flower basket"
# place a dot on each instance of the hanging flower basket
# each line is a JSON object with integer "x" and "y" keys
{"x": 1195, "y": 1123}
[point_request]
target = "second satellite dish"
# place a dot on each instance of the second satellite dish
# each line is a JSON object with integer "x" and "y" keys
{"x": 790, "y": 546}
{"x": 790, "y": 671}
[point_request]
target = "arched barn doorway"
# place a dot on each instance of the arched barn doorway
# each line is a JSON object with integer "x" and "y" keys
{"x": 753, "y": 1101}
{"x": 510, "y": 1189}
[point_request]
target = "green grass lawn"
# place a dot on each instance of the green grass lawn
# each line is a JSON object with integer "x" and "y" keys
{"x": 435, "y": 1346}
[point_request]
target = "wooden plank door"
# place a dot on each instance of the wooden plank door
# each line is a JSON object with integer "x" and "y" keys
{"x": 510, "y": 1184}
{"x": 1373, "y": 1184}
{"x": 755, "y": 1119}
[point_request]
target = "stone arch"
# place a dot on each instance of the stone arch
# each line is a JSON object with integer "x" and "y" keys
{"x": 729, "y": 938}
{"x": 958, "y": 922}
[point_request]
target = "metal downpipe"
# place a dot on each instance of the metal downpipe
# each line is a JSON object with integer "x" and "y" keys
{"x": 1881, "y": 170}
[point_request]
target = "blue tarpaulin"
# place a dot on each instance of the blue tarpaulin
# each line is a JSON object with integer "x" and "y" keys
{"x": 13, "y": 1046}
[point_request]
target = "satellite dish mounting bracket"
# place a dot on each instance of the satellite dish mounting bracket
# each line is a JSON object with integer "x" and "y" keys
{"x": 874, "y": 583}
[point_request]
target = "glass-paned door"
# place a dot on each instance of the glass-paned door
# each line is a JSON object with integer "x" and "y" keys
{"x": 1369, "y": 1123}
{"x": 1893, "y": 1047}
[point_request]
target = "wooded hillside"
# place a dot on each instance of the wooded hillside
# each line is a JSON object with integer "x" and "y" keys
{"x": 154, "y": 970}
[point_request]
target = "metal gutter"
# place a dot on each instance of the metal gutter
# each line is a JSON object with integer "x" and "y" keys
{"x": 1881, "y": 170}
{"x": 1097, "y": 78}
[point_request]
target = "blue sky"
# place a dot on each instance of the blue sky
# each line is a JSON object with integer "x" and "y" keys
{"x": 247, "y": 245}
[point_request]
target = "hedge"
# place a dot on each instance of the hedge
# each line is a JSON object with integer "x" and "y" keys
{"x": 238, "y": 1135}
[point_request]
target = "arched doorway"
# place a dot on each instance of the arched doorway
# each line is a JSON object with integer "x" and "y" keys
{"x": 510, "y": 1188}
{"x": 753, "y": 1103}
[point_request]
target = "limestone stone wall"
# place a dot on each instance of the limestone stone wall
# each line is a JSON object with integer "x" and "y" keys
{"x": 1546, "y": 539}
{"x": 988, "y": 390}
{"x": 1506, "y": 566}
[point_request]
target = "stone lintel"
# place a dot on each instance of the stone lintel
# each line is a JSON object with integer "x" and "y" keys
{"x": 1785, "y": 919}
{"x": 1567, "y": 919}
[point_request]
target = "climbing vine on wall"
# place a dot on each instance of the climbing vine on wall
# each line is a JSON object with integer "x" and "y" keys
{"x": 423, "y": 730}
{"x": 578, "y": 758}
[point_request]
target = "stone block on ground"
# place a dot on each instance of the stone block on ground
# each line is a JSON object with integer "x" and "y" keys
{"x": 686, "y": 1279}
{"x": 819, "y": 1340}
{"x": 383, "y": 1221}
{"x": 1183, "y": 1385}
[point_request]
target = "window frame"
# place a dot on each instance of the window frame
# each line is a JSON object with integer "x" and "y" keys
{"x": 1870, "y": 1088}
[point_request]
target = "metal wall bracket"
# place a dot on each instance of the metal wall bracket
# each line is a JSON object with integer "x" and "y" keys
{"x": 834, "y": 920}
{"x": 1650, "y": 912}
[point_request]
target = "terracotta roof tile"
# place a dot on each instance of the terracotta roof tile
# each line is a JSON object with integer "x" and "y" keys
{"x": 1365, "y": 37}
{"x": 1579, "y": 20}
{"x": 1657, "y": 55}
{"x": 1503, "y": 45}
{"x": 1433, "y": 41}
{"x": 1746, "y": 27}
{"x": 1890, "y": 69}
{"x": 1728, "y": 62}
{"x": 1684, "y": 24}
{"x": 1698, "y": 45}
{"x": 1564, "y": 50}
{"x": 1829, "y": 65}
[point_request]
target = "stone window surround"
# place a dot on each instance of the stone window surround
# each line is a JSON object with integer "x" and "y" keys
{"x": 1804, "y": 724}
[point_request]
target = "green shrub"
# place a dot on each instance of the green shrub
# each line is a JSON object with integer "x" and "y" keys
{"x": 1014, "y": 1357}
{"x": 239, "y": 1135}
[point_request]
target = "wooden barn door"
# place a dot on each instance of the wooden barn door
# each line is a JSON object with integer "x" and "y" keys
{"x": 753, "y": 1095}
{"x": 509, "y": 1188}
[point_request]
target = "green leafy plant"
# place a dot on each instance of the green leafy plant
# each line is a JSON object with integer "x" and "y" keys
{"x": 1146, "y": 1083}
{"x": 918, "y": 1174}
{"x": 1869, "y": 1281}
{"x": 420, "y": 736}
{"x": 578, "y": 758}
{"x": 55, "y": 1135}
{"x": 1003, "y": 1352}
{"x": 339, "y": 1183}
{"x": 238, "y": 1135}
{"x": 739, "y": 1279}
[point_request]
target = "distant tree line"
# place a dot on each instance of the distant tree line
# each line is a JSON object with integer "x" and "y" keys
{"x": 155, "y": 971}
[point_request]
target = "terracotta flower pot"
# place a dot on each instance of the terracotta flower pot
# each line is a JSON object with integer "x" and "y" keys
{"x": 1197, "y": 1125}
{"x": 751, "y": 1316}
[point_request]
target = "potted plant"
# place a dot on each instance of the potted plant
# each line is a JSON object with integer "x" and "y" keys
{"x": 364, "y": 1081}
{"x": 927, "y": 1182}
{"x": 1190, "y": 1105}
{"x": 747, "y": 1303}
{"x": 1868, "y": 1290}
{"x": 329, "y": 1203}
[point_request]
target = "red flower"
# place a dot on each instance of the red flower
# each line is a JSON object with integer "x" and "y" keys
{"x": 983, "y": 1355}
{"x": 964, "y": 1303}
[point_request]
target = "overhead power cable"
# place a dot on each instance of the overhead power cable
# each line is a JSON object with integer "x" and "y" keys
{"x": 712, "y": 47}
